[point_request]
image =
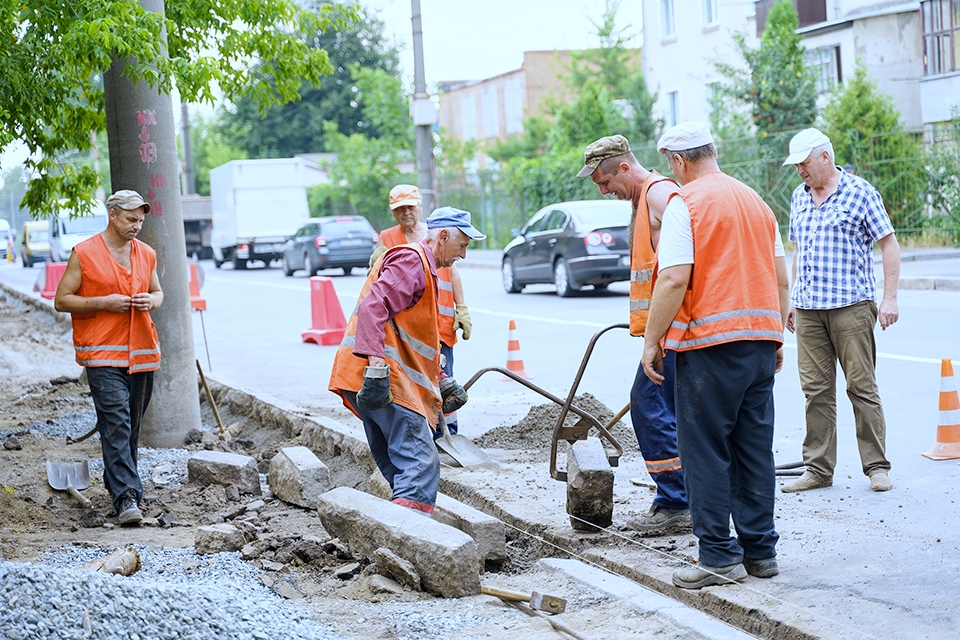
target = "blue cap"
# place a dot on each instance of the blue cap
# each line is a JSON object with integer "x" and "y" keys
{"x": 450, "y": 217}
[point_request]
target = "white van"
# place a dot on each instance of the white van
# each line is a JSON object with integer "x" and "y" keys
{"x": 4, "y": 234}
{"x": 67, "y": 232}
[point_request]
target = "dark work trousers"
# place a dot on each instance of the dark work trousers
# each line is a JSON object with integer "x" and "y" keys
{"x": 451, "y": 418}
{"x": 725, "y": 432}
{"x": 121, "y": 399}
{"x": 402, "y": 446}
{"x": 653, "y": 413}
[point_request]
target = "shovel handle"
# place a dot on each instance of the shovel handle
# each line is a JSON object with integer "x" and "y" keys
{"x": 82, "y": 499}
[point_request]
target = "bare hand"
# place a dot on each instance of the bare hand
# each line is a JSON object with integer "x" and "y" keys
{"x": 376, "y": 361}
{"x": 791, "y": 320}
{"x": 117, "y": 303}
{"x": 889, "y": 313}
{"x": 652, "y": 361}
{"x": 142, "y": 301}
{"x": 779, "y": 360}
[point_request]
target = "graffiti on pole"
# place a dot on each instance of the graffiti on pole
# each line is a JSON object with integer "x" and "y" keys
{"x": 148, "y": 155}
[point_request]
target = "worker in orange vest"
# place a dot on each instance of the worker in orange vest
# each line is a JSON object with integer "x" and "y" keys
{"x": 109, "y": 287}
{"x": 406, "y": 205}
{"x": 387, "y": 369}
{"x": 725, "y": 320}
{"x": 614, "y": 169}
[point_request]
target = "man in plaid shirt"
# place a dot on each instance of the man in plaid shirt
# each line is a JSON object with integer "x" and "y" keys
{"x": 835, "y": 217}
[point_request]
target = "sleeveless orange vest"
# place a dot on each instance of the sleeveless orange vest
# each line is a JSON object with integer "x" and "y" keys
{"x": 447, "y": 305}
{"x": 733, "y": 293}
{"x": 643, "y": 260}
{"x": 106, "y": 339}
{"x": 411, "y": 348}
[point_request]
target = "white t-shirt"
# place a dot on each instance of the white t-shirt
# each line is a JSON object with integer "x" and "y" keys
{"x": 676, "y": 236}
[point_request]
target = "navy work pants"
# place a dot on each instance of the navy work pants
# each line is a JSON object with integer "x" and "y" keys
{"x": 121, "y": 399}
{"x": 725, "y": 432}
{"x": 402, "y": 446}
{"x": 653, "y": 413}
{"x": 451, "y": 418}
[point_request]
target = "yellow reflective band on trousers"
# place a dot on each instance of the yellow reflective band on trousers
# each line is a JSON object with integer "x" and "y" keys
{"x": 661, "y": 466}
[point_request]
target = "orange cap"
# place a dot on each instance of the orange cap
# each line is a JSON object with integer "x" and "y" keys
{"x": 404, "y": 194}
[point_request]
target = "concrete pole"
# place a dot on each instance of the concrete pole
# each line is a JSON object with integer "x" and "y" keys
{"x": 423, "y": 116}
{"x": 189, "y": 182}
{"x": 143, "y": 157}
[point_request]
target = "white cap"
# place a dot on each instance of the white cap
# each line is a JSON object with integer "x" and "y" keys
{"x": 803, "y": 143}
{"x": 686, "y": 135}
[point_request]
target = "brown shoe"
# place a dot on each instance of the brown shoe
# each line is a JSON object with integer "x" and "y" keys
{"x": 658, "y": 520}
{"x": 806, "y": 482}
{"x": 880, "y": 481}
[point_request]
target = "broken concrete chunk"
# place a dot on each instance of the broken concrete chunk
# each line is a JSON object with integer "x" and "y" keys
{"x": 390, "y": 564}
{"x": 218, "y": 537}
{"x": 383, "y": 584}
{"x": 446, "y": 559}
{"x": 226, "y": 469}
{"x": 589, "y": 486}
{"x": 347, "y": 571}
{"x": 488, "y": 532}
{"x": 298, "y": 476}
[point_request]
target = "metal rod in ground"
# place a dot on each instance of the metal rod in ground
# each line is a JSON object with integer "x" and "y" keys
{"x": 205, "y": 345}
{"x": 213, "y": 405}
{"x": 559, "y": 626}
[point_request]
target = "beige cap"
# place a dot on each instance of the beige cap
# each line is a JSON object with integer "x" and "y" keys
{"x": 803, "y": 143}
{"x": 404, "y": 194}
{"x": 686, "y": 135}
{"x": 598, "y": 151}
{"x": 128, "y": 200}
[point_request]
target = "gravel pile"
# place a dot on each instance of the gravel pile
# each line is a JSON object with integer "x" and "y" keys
{"x": 176, "y": 595}
{"x": 72, "y": 424}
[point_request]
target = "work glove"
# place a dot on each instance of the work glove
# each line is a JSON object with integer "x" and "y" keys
{"x": 453, "y": 395}
{"x": 379, "y": 251}
{"x": 462, "y": 321}
{"x": 375, "y": 393}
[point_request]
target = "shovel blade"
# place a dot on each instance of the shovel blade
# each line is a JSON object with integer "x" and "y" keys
{"x": 461, "y": 449}
{"x": 61, "y": 475}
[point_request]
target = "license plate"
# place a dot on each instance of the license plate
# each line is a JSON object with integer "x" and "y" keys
{"x": 351, "y": 242}
{"x": 624, "y": 261}
{"x": 268, "y": 247}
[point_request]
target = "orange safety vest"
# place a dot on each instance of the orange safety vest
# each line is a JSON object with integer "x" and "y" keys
{"x": 106, "y": 339}
{"x": 411, "y": 348}
{"x": 733, "y": 293}
{"x": 643, "y": 259}
{"x": 447, "y": 305}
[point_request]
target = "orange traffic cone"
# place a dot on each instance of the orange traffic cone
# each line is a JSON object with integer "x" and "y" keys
{"x": 326, "y": 314}
{"x": 197, "y": 303}
{"x": 514, "y": 361}
{"x": 53, "y": 271}
{"x": 947, "y": 446}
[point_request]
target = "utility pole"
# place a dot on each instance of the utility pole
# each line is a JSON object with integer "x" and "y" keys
{"x": 424, "y": 116}
{"x": 143, "y": 157}
{"x": 189, "y": 182}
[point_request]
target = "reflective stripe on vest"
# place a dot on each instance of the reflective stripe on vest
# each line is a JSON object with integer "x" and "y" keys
{"x": 643, "y": 259}
{"x": 447, "y": 307}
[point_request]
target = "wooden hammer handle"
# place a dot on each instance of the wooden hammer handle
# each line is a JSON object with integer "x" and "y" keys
{"x": 506, "y": 595}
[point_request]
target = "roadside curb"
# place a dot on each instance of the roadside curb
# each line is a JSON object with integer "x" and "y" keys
{"x": 62, "y": 319}
{"x": 930, "y": 284}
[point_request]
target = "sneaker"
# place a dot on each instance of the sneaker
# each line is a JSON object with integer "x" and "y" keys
{"x": 761, "y": 568}
{"x": 704, "y": 576}
{"x": 880, "y": 481}
{"x": 129, "y": 512}
{"x": 658, "y": 519}
{"x": 806, "y": 482}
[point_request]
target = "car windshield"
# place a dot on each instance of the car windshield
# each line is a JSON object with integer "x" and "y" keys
{"x": 342, "y": 229}
{"x": 87, "y": 225}
{"x": 602, "y": 216}
{"x": 41, "y": 235}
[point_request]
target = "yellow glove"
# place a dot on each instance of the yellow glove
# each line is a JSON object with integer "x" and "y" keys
{"x": 462, "y": 321}
{"x": 379, "y": 251}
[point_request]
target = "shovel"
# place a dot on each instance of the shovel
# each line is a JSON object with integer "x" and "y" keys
{"x": 460, "y": 448}
{"x": 70, "y": 476}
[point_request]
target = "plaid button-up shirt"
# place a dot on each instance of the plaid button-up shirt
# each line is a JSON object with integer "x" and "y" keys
{"x": 834, "y": 244}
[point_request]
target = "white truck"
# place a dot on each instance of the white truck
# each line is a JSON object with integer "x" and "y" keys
{"x": 68, "y": 230}
{"x": 257, "y": 205}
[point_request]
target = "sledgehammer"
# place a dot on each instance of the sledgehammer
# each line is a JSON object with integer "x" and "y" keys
{"x": 538, "y": 601}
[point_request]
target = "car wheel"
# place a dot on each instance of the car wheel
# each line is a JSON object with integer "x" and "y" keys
{"x": 287, "y": 271}
{"x": 509, "y": 278}
{"x": 563, "y": 279}
{"x": 308, "y": 266}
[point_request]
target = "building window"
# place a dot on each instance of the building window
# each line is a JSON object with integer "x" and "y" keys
{"x": 709, "y": 12}
{"x": 668, "y": 28}
{"x": 941, "y": 36}
{"x": 491, "y": 113}
{"x": 826, "y": 63}
{"x": 513, "y": 106}
{"x": 751, "y": 7}
{"x": 673, "y": 108}
{"x": 468, "y": 117}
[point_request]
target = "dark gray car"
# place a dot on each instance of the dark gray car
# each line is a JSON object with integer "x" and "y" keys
{"x": 344, "y": 242}
{"x": 570, "y": 244}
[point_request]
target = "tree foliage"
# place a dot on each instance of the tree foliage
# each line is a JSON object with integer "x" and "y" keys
{"x": 56, "y": 51}
{"x": 285, "y": 130}
{"x": 944, "y": 181}
{"x": 211, "y": 147}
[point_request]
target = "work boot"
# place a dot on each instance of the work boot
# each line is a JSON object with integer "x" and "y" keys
{"x": 658, "y": 519}
{"x": 129, "y": 511}
{"x": 704, "y": 576}
{"x": 806, "y": 482}
{"x": 880, "y": 481}
{"x": 761, "y": 568}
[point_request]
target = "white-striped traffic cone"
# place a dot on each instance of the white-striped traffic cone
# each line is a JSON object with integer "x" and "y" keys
{"x": 514, "y": 361}
{"x": 947, "y": 446}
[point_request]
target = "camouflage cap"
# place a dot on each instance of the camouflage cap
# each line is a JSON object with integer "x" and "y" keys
{"x": 597, "y": 152}
{"x": 128, "y": 200}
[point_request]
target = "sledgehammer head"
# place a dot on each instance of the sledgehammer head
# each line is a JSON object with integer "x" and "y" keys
{"x": 548, "y": 603}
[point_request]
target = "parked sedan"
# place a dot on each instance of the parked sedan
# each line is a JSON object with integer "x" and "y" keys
{"x": 570, "y": 244}
{"x": 327, "y": 243}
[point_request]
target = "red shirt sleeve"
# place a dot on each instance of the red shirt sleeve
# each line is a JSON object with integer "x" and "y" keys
{"x": 400, "y": 286}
